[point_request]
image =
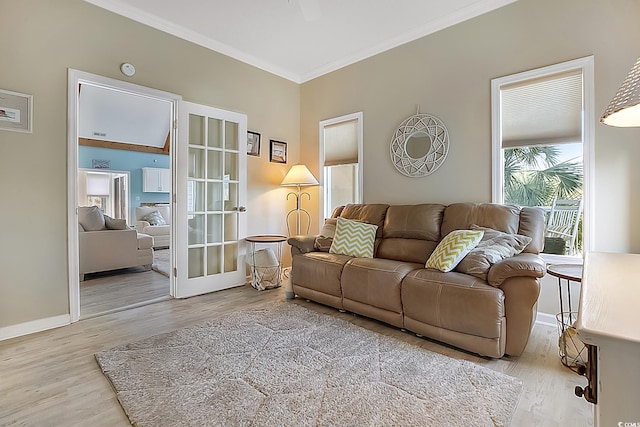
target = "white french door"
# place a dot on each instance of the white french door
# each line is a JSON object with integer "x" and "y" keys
{"x": 211, "y": 194}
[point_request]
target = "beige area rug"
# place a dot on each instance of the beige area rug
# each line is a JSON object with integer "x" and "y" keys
{"x": 287, "y": 365}
{"x": 161, "y": 262}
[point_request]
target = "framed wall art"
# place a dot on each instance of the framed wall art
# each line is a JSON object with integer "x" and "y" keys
{"x": 278, "y": 152}
{"x": 16, "y": 110}
{"x": 253, "y": 143}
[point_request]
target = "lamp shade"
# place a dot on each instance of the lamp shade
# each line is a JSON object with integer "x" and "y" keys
{"x": 299, "y": 175}
{"x": 624, "y": 108}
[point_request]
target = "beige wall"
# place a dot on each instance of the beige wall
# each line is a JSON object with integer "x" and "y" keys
{"x": 39, "y": 40}
{"x": 448, "y": 74}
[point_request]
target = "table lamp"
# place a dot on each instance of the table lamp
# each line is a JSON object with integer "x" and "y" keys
{"x": 298, "y": 176}
{"x": 624, "y": 108}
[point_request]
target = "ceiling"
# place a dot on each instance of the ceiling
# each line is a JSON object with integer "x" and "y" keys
{"x": 300, "y": 39}
{"x": 113, "y": 116}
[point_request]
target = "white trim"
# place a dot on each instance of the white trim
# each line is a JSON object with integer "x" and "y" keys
{"x": 75, "y": 78}
{"x": 328, "y": 122}
{"x": 546, "y": 319}
{"x": 33, "y": 326}
{"x": 586, "y": 65}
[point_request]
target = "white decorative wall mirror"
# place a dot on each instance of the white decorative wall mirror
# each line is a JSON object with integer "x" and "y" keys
{"x": 420, "y": 145}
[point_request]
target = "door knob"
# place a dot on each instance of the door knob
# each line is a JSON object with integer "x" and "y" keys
{"x": 242, "y": 209}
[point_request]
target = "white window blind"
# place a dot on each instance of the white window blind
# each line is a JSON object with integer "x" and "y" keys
{"x": 98, "y": 184}
{"x": 341, "y": 143}
{"x": 544, "y": 111}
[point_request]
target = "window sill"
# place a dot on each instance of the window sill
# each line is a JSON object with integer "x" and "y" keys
{"x": 561, "y": 259}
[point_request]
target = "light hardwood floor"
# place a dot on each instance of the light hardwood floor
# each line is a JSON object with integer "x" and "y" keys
{"x": 52, "y": 379}
{"x": 103, "y": 292}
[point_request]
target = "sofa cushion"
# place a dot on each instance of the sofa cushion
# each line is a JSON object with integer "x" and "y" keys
{"x": 453, "y": 248}
{"x": 155, "y": 218}
{"x": 369, "y": 213}
{"x": 157, "y": 230}
{"x": 532, "y": 224}
{"x": 375, "y": 282}
{"x": 460, "y": 216}
{"x": 453, "y": 301}
{"x": 325, "y": 238}
{"x": 114, "y": 224}
{"x": 91, "y": 218}
{"x": 411, "y": 232}
{"x": 494, "y": 246}
{"x": 407, "y": 250}
{"x": 319, "y": 271}
{"x": 353, "y": 238}
{"x": 414, "y": 222}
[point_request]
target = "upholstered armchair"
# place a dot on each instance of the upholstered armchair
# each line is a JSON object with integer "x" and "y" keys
{"x": 109, "y": 244}
{"x": 155, "y": 221}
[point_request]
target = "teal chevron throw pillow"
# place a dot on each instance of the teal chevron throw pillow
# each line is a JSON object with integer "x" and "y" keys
{"x": 455, "y": 246}
{"x": 353, "y": 238}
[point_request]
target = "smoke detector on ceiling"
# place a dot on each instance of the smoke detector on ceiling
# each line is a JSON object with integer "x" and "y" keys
{"x": 128, "y": 69}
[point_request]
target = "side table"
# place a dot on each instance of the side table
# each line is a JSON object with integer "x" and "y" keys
{"x": 258, "y": 273}
{"x": 572, "y": 350}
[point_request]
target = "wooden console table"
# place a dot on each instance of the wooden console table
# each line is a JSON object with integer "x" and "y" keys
{"x": 608, "y": 317}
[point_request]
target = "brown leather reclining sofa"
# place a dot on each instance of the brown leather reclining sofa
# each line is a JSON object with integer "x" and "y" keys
{"x": 490, "y": 317}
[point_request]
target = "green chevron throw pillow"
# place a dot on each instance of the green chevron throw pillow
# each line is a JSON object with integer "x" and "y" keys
{"x": 353, "y": 238}
{"x": 455, "y": 246}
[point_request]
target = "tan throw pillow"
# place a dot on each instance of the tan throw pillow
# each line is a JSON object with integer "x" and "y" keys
{"x": 325, "y": 238}
{"x": 494, "y": 247}
{"x": 91, "y": 218}
{"x": 114, "y": 224}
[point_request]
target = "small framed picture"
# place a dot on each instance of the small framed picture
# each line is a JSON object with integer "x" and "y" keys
{"x": 278, "y": 152}
{"x": 16, "y": 110}
{"x": 100, "y": 164}
{"x": 253, "y": 143}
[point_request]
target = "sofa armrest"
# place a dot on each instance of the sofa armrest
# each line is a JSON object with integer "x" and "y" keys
{"x": 301, "y": 244}
{"x": 522, "y": 265}
{"x": 141, "y": 225}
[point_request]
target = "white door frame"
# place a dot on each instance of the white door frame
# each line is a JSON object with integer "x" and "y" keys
{"x": 75, "y": 79}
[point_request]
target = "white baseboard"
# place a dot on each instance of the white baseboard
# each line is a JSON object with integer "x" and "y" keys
{"x": 546, "y": 319}
{"x": 33, "y": 326}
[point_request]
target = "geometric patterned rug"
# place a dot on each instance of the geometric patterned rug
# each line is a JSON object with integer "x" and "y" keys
{"x": 288, "y": 365}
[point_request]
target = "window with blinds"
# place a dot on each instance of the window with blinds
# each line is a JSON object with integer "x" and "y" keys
{"x": 341, "y": 146}
{"x": 541, "y": 142}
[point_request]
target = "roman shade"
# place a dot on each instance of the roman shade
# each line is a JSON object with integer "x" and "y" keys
{"x": 543, "y": 111}
{"x": 341, "y": 143}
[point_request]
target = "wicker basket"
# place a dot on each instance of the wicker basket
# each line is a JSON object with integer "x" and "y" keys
{"x": 573, "y": 352}
{"x": 265, "y": 269}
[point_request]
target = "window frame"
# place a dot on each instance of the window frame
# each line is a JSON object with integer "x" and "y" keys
{"x": 586, "y": 66}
